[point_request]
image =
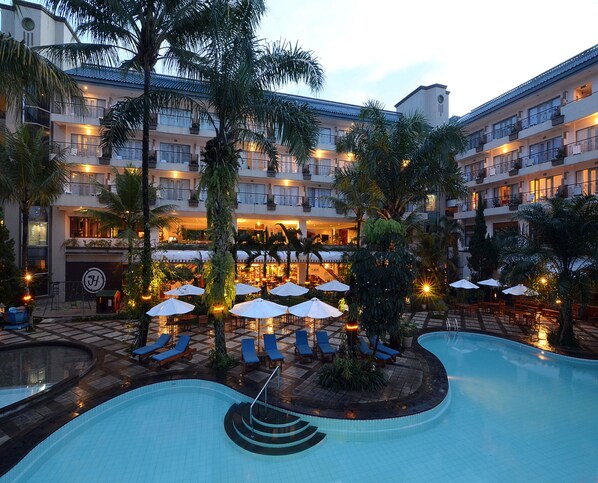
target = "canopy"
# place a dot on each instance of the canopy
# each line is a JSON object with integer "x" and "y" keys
{"x": 466, "y": 284}
{"x": 170, "y": 307}
{"x": 333, "y": 286}
{"x": 289, "y": 289}
{"x": 490, "y": 283}
{"x": 185, "y": 290}
{"x": 315, "y": 308}
{"x": 244, "y": 289}
{"x": 519, "y": 290}
{"x": 258, "y": 309}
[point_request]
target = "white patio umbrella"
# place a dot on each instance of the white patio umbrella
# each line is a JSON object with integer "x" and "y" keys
{"x": 519, "y": 290}
{"x": 244, "y": 289}
{"x": 170, "y": 307}
{"x": 258, "y": 309}
{"x": 185, "y": 290}
{"x": 333, "y": 286}
{"x": 490, "y": 283}
{"x": 315, "y": 309}
{"x": 289, "y": 289}
{"x": 466, "y": 284}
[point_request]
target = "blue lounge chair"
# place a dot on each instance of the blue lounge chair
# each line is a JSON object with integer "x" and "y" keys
{"x": 365, "y": 350}
{"x": 302, "y": 346}
{"x": 145, "y": 351}
{"x": 248, "y": 354}
{"x": 271, "y": 349}
{"x": 324, "y": 346}
{"x": 384, "y": 348}
{"x": 181, "y": 349}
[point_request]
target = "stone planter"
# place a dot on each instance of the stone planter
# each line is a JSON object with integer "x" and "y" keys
{"x": 407, "y": 341}
{"x": 306, "y": 175}
{"x": 193, "y": 166}
{"x": 193, "y": 203}
{"x": 558, "y": 161}
{"x": 194, "y": 130}
{"x": 514, "y": 136}
{"x": 271, "y": 173}
{"x": 104, "y": 161}
{"x": 559, "y": 119}
{"x": 306, "y": 208}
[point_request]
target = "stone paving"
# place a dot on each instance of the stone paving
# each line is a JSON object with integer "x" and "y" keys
{"x": 417, "y": 380}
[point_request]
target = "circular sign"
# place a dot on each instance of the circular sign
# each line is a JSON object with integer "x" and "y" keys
{"x": 28, "y": 24}
{"x": 93, "y": 280}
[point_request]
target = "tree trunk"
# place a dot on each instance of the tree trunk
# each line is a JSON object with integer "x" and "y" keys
{"x": 146, "y": 255}
{"x": 358, "y": 232}
{"x": 288, "y": 267}
{"x": 25, "y": 240}
{"x": 566, "y": 336}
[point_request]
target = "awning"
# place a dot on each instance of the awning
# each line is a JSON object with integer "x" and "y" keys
{"x": 190, "y": 256}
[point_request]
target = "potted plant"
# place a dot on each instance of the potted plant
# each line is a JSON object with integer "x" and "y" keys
{"x": 515, "y": 167}
{"x": 408, "y": 331}
{"x": 306, "y": 173}
{"x": 193, "y": 199}
{"x": 557, "y": 118}
{"x": 306, "y": 205}
{"x": 270, "y": 203}
{"x": 270, "y": 171}
{"x": 559, "y": 157}
{"x": 194, "y": 129}
{"x": 152, "y": 159}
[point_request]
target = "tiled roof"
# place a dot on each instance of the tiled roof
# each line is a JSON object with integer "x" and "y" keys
{"x": 563, "y": 70}
{"x": 115, "y": 77}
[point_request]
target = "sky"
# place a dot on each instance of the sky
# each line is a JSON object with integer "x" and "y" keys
{"x": 384, "y": 49}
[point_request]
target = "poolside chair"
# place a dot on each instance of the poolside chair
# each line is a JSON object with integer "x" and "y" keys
{"x": 145, "y": 351}
{"x": 271, "y": 349}
{"x": 365, "y": 350}
{"x": 302, "y": 347}
{"x": 181, "y": 349}
{"x": 324, "y": 346}
{"x": 384, "y": 348}
{"x": 248, "y": 354}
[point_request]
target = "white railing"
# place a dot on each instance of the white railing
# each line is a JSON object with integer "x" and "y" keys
{"x": 264, "y": 390}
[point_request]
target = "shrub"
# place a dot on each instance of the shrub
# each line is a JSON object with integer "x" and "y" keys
{"x": 351, "y": 375}
{"x": 219, "y": 361}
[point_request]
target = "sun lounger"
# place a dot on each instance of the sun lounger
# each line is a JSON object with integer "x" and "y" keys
{"x": 271, "y": 349}
{"x": 22, "y": 325}
{"x": 384, "y": 348}
{"x": 324, "y": 346}
{"x": 248, "y": 354}
{"x": 365, "y": 350}
{"x": 302, "y": 346}
{"x": 181, "y": 349}
{"x": 145, "y": 351}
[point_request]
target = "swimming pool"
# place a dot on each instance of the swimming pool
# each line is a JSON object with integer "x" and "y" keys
{"x": 515, "y": 414}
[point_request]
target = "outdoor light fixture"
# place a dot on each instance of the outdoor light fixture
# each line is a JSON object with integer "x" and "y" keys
{"x": 27, "y": 296}
{"x": 543, "y": 281}
{"x": 218, "y": 308}
{"x": 146, "y": 297}
{"x": 28, "y": 277}
{"x": 426, "y": 289}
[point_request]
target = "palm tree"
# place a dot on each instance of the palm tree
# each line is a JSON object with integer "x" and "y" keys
{"x": 124, "y": 209}
{"x": 291, "y": 243}
{"x": 562, "y": 239}
{"x": 241, "y": 242}
{"x": 358, "y": 193}
{"x": 135, "y": 35}
{"x": 27, "y": 75}
{"x": 310, "y": 245}
{"x": 407, "y": 160}
{"x": 29, "y": 176}
{"x": 449, "y": 232}
{"x": 240, "y": 72}
{"x": 266, "y": 245}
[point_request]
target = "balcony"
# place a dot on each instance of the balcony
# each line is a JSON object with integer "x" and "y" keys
{"x": 77, "y": 113}
{"x": 586, "y": 106}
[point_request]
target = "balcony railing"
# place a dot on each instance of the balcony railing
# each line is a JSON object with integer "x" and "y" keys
{"x": 176, "y": 157}
{"x": 78, "y": 110}
{"x": 539, "y": 117}
{"x": 79, "y": 150}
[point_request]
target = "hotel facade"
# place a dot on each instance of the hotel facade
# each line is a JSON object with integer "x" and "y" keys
{"x": 535, "y": 141}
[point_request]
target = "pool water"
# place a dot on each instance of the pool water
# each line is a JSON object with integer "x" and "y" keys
{"x": 10, "y": 395}
{"x": 514, "y": 414}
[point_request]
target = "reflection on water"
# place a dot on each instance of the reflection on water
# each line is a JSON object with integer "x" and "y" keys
{"x": 27, "y": 370}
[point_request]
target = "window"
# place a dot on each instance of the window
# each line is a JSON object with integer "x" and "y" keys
{"x": 130, "y": 151}
{"x": 326, "y": 135}
{"x": 175, "y": 117}
{"x": 83, "y": 227}
{"x": 84, "y": 184}
{"x": 322, "y": 167}
{"x": 253, "y": 160}
{"x": 174, "y": 153}
{"x": 83, "y": 145}
{"x": 542, "y": 112}
{"x": 586, "y": 182}
{"x": 502, "y": 195}
{"x": 175, "y": 189}
{"x": 503, "y": 163}
{"x": 251, "y": 194}
{"x": 471, "y": 170}
{"x": 544, "y": 151}
{"x": 503, "y": 128}
{"x": 286, "y": 195}
{"x": 582, "y": 91}
{"x": 543, "y": 188}
{"x": 586, "y": 140}
{"x": 475, "y": 139}
{"x": 319, "y": 197}
{"x": 287, "y": 164}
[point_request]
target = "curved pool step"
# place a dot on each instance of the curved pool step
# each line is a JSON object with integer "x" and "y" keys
{"x": 274, "y": 432}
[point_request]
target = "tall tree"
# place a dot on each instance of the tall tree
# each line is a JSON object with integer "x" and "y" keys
{"x": 135, "y": 35}
{"x": 483, "y": 258}
{"x": 405, "y": 157}
{"x": 291, "y": 244}
{"x": 10, "y": 277}
{"x": 240, "y": 72}
{"x": 124, "y": 208}
{"x": 561, "y": 238}
{"x": 29, "y": 176}
{"x": 266, "y": 246}
{"x": 358, "y": 193}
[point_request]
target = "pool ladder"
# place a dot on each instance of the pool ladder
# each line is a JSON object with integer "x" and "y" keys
{"x": 452, "y": 324}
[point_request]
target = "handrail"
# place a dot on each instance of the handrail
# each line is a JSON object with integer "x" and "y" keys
{"x": 264, "y": 388}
